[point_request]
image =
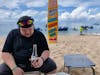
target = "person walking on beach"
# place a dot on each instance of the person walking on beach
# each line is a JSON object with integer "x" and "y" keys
{"x": 18, "y": 49}
{"x": 81, "y": 30}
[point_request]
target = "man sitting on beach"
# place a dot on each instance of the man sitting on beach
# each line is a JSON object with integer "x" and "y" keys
{"x": 18, "y": 49}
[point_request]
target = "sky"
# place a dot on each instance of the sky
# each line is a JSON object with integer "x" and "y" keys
{"x": 72, "y": 13}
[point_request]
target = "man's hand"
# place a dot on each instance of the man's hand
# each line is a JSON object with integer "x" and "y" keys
{"x": 37, "y": 63}
{"x": 18, "y": 71}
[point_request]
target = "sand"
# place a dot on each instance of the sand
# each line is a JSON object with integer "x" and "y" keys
{"x": 75, "y": 44}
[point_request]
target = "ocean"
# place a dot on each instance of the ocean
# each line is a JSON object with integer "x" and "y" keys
{"x": 6, "y": 28}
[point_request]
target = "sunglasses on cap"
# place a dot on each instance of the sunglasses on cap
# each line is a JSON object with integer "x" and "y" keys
{"x": 25, "y": 24}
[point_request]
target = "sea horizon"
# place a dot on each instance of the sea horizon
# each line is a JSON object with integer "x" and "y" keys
{"x": 5, "y": 29}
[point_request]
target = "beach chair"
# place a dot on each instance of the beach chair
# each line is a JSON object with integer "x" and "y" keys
{"x": 78, "y": 61}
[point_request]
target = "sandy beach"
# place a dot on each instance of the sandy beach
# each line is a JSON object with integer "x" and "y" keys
{"x": 74, "y": 44}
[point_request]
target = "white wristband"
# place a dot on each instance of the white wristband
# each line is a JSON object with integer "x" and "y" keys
{"x": 14, "y": 68}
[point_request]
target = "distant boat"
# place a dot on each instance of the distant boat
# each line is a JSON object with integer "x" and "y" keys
{"x": 63, "y": 29}
{"x": 96, "y": 24}
{"x": 87, "y": 27}
{"x": 91, "y": 27}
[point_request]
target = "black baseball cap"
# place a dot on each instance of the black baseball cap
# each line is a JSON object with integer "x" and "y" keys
{"x": 25, "y": 21}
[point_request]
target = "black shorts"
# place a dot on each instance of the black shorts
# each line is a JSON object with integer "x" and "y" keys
{"x": 48, "y": 66}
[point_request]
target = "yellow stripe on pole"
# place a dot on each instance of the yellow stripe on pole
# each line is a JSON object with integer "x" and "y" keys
{"x": 52, "y": 21}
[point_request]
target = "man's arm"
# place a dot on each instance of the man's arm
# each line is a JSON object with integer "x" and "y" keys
{"x": 39, "y": 61}
{"x": 8, "y": 59}
{"x": 8, "y": 49}
{"x": 45, "y": 54}
{"x": 44, "y": 46}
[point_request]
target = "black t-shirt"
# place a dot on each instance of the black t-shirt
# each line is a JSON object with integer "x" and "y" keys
{"x": 22, "y": 47}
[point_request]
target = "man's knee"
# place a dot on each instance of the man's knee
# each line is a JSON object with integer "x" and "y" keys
{"x": 53, "y": 71}
{"x": 4, "y": 70}
{"x": 49, "y": 66}
{"x": 3, "y": 73}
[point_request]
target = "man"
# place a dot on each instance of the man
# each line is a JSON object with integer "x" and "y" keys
{"x": 18, "y": 49}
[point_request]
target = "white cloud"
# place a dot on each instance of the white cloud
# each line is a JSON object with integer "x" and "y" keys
{"x": 11, "y": 4}
{"x": 97, "y": 16}
{"x": 82, "y": 11}
{"x": 43, "y": 13}
{"x": 84, "y": 15}
{"x": 80, "y": 15}
{"x": 7, "y": 15}
{"x": 36, "y": 3}
{"x": 4, "y": 14}
{"x": 77, "y": 12}
{"x": 66, "y": 3}
{"x": 77, "y": 3}
{"x": 64, "y": 15}
{"x": 93, "y": 3}
{"x": 94, "y": 10}
{"x": 27, "y": 12}
{"x": 43, "y": 16}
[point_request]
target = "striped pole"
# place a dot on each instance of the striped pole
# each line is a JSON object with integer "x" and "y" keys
{"x": 52, "y": 21}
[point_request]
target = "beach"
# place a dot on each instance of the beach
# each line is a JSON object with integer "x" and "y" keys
{"x": 88, "y": 45}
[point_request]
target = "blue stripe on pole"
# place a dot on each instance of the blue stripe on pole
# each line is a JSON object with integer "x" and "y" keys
{"x": 52, "y": 19}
